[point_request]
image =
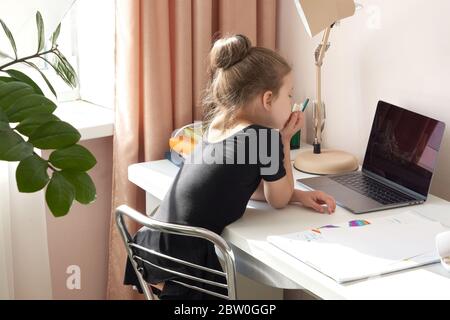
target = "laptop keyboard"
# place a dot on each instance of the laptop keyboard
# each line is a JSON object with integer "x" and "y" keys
{"x": 371, "y": 188}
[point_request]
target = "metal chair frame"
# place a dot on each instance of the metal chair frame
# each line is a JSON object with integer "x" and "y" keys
{"x": 229, "y": 272}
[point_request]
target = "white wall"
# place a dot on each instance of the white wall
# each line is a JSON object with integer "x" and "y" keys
{"x": 24, "y": 256}
{"x": 6, "y": 257}
{"x": 81, "y": 238}
{"x": 397, "y": 51}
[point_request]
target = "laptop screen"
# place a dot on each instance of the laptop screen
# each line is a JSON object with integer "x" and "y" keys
{"x": 403, "y": 147}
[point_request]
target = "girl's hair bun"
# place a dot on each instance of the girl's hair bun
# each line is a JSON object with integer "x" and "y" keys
{"x": 227, "y": 52}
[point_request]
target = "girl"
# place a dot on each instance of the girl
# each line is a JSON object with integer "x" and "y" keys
{"x": 245, "y": 155}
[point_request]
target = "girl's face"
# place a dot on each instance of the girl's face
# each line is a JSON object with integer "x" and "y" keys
{"x": 280, "y": 108}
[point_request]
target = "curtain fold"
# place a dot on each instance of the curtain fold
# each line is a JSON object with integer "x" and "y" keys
{"x": 161, "y": 70}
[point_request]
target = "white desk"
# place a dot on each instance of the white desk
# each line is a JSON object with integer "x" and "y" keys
{"x": 259, "y": 260}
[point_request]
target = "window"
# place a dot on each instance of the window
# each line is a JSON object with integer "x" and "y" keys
{"x": 67, "y": 43}
{"x": 95, "y": 24}
{"x": 87, "y": 39}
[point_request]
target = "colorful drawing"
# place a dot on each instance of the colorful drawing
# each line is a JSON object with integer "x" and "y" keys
{"x": 330, "y": 226}
{"x": 358, "y": 223}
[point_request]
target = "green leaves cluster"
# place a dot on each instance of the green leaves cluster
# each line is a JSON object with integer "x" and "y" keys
{"x": 27, "y": 122}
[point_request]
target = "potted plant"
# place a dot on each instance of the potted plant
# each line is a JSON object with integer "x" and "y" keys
{"x": 27, "y": 123}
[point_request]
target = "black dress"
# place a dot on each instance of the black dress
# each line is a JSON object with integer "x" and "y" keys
{"x": 211, "y": 190}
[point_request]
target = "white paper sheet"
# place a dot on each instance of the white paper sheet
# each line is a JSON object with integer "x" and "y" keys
{"x": 365, "y": 248}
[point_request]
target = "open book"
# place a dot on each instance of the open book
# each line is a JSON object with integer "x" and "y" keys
{"x": 360, "y": 249}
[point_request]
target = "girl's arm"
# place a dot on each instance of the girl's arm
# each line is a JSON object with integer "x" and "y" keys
{"x": 281, "y": 192}
{"x": 311, "y": 199}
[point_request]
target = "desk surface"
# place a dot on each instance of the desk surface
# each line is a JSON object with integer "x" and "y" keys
{"x": 259, "y": 221}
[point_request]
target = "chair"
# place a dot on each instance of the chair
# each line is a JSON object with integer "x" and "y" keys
{"x": 229, "y": 272}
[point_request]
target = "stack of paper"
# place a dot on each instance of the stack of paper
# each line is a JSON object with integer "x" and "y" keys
{"x": 363, "y": 248}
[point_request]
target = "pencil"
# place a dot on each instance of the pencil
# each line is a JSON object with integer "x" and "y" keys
{"x": 305, "y": 104}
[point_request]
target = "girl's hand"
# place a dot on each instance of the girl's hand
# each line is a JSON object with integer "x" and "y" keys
{"x": 292, "y": 126}
{"x": 315, "y": 200}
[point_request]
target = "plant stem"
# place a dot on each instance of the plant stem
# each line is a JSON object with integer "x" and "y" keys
{"x": 48, "y": 163}
{"x": 37, "y": 55}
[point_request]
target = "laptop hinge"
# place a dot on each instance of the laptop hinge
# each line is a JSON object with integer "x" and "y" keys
{"x": 394, "y": 185}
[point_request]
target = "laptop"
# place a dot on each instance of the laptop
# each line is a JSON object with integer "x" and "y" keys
{"x": 398, "y": 165}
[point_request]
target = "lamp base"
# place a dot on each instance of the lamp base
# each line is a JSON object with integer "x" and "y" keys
{"x": 325, "y": 163}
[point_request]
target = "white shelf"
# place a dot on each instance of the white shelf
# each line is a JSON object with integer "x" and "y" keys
{"x": 92, "y": 121}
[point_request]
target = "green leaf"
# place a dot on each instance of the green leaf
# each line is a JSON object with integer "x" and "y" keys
{"x": 10, "y": 37}
{"x": 54, "y": 135}
{"x": 11, "y": 91}
{"x": 27, "y": 126}
{"x": 55, "y": 35}
{"x": 69, "y": 67}
{"x": 4, "y": 122}
{"x": 63, "y": 72}
{"x": 31, "y": 174}
{"x": 28, "y": 106}
{"x": 64, "y": 69}
{"x": 41, "y": 33}
{"x": 85, "y": 191}
{"x": 74, "y": 157}
{"x": 6, "y": 79}
{"x": 3, "y": 117}
{"x": 43, "y": 76}
{"x": 13, "y": 147}
{"x": 59, "y": 195}
{"x": 24, "y": 78}
{"x": 59, "y": 72}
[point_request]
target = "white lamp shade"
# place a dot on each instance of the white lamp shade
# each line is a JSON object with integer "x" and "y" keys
{"x": 317, "y": 15}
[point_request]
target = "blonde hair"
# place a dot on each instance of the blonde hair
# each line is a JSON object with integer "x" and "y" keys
{"x": 237, "y": 73}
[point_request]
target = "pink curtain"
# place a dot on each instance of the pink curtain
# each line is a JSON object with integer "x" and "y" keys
{"x": 161, "y": 65}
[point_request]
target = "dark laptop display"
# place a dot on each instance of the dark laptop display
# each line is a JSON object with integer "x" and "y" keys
{"x": 403, "y": 147}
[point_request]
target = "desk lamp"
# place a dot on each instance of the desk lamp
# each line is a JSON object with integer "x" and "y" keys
{"x": 318, "y": 16}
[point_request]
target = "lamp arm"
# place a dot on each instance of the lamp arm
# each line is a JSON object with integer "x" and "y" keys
{"x": 323, "y": 46}
{"x": 318, "y": 118}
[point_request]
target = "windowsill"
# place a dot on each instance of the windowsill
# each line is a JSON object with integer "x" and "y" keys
{"x": 92, "y": 121}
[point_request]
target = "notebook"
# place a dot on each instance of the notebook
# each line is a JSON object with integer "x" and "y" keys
{"x": 364, "y": 248}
